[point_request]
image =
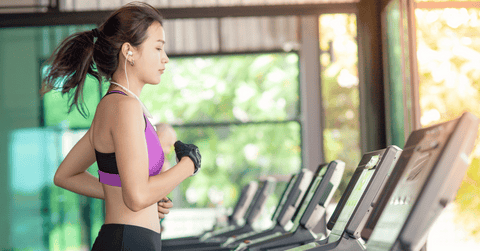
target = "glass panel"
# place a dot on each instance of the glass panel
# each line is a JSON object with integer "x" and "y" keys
{"x": 32, "y": 158}
{"x": 234, "y": 155}
{"x": 56, "y": 106}
{"x": 50, "y": 215}
{"x": 239, "y": 88}
{"x": 340, "y": 92}
{"x": 448, "y": 58}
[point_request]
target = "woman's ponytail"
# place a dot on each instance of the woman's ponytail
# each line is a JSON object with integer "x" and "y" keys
{"x": 74, "y": 58}
{"x": 68, "y": 68}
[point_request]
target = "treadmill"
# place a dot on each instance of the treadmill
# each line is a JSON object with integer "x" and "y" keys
{"x": 237, "y": 216}
{"x": 265, "y": 189}
{"x": 285, "y": 210}
{"x": 356, "y": 203}
{"x": 292, "y": 195}
{"x": 434, "y": 169}
{"x": 240, "y": 209}
{"x": 423, "y": 182}
{"x": 311, "y": 213}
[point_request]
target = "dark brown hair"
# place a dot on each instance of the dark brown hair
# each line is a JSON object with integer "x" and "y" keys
{"x": 79, "y": 53}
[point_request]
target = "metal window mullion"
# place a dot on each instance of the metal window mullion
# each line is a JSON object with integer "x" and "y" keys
{"x": 372, "y": 84}
{"x": 413, "y": 66}
{"x": 219, "y": 35}
{"x": 406, "y": 117}
{"x": 310, "y": 86}
{"x": 219, "y": 124}
{"x": 386, "y": 81}
{"x": 42, "y": 100}
{"x": 236, "y": 123}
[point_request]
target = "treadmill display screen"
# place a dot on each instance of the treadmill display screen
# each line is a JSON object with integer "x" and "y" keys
{"x": 258, "y": 194}
{"x": 400, "y": 203}
{"x": 372, "y": 160}
{"x": 352, "y": 201}
{"x": 284, "y": 197}
{"x": 307, "y": 198}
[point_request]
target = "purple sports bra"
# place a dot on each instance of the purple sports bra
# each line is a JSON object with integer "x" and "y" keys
{"x": 107, "y": 163}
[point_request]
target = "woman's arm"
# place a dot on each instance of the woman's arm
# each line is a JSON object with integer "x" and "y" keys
{"x": 139, "y": 190}
{"x": 72, "y": 174}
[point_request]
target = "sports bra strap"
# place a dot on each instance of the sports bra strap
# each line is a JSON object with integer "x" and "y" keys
{"x": 110, "y": 92}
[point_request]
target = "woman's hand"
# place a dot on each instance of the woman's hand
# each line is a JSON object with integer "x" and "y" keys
{"x": 163, "y": 207}
{"x": 188, "y": 150}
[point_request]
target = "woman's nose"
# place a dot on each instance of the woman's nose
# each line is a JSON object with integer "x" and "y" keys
{"x": 165, "y": 58}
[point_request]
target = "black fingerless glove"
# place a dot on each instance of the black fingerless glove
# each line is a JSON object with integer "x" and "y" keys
{"x": 189, "y": 150}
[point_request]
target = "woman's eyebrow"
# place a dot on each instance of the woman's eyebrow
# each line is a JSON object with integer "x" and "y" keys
{"x": 161, "y": 41}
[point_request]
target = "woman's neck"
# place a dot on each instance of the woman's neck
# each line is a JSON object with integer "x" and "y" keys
{"x": 132, "y": 87}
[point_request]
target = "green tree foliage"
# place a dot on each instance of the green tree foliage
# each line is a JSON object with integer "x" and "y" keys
{"x": 241, "y": 111}
{"x": 238, "y": 88}
{"x": 340, "y": 92}
{"x": 449, "y": 57}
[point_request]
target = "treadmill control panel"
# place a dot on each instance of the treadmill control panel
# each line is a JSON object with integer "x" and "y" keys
{"x": 353, "y": 199}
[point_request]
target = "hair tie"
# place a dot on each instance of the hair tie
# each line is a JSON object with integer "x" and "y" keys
{"x": 96, "y": 32}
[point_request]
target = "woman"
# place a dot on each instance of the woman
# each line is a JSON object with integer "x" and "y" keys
{"x": 121, "y": 138}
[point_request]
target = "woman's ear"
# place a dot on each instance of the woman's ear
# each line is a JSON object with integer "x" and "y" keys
{"x": 126, "y": 47}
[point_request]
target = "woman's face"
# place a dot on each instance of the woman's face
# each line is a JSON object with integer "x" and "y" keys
{"x": 151, "y": 62}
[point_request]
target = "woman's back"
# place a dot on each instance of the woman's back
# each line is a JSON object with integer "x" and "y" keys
{"x": 101, "y": 137}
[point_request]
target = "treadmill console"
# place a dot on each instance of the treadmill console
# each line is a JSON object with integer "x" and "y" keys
{"x": 426, "y": 179}
{"x": 296, "y": 195}
{"x": 321, "y": 196}
{"x": 359, "y": 182}
{"x": 246, "y": 197}
{"x": 259, "y": 202}
{"x": 295, "y": 221}
{"x": 285, "y": 194}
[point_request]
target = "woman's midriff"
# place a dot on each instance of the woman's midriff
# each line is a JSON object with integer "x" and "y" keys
{"x": 117, "y": 212}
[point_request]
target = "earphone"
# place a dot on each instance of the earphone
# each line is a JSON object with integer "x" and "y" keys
{"x": 145, "y": 110}
{"x": 129, "y": 53}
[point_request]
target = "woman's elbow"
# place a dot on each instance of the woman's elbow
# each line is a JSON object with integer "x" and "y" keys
{"x": 57, "y": 180}
{"x": 132, "y": 202}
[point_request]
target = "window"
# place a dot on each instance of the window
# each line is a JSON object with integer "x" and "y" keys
{"x": 340, "y": 92}
{"x": 448, "y": 56}
{"x": 242, "y": 111}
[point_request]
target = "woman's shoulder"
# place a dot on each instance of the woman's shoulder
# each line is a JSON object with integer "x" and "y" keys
{"x": 114, "y": 109}
{"x": 120, "y": 105}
